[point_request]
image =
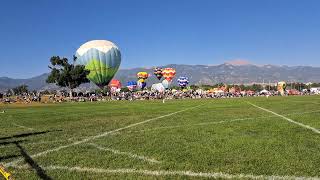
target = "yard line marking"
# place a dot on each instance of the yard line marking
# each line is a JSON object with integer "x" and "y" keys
{"x": 24, "y": 127}
{"x": 288, "y": 119}
{"x": 199, "y": 124}
{"x": 100, "y": 135}
{"x": 218, "y": 122}
{"x": 125, "y": 153}
{"x": 299, "y": 113}
{"x": 219, "y": 175}
{"x": 307, "y": 102}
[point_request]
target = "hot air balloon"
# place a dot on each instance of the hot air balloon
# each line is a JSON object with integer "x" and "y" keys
{"x": 165, "y": 83}
{"x": 142, "y": 75}
{"x": 183, "y": 81}
{"x": 132, "y": 85}
{"x": 168, "y": 74}
{"x": 158, "y": 87}
{"x": 281, "y": 87}
{"x": 157, "y": 72}
{"x": 141, "y": 85}
{"x": 102, "y": 58}
{"x": 115, "y": 85}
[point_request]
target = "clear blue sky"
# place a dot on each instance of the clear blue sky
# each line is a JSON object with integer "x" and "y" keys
{"x": 159, "y": 32}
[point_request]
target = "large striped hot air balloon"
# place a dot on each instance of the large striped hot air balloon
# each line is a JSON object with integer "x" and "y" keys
{"x": 102, "y": 58}
{"x": 168, "y": 74}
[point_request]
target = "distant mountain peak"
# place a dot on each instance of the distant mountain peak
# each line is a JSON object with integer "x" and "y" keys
{"x": 232, "y": 72}
{"x": 238, "y": 62}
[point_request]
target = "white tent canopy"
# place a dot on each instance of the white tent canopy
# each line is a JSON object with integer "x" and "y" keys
{"x": 264, "y": 91}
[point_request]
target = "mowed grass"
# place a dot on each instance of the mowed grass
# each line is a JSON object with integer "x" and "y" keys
{"x": 227, "y": 136}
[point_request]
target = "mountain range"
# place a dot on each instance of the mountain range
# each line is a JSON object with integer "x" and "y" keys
{"x": 231, "y": 73}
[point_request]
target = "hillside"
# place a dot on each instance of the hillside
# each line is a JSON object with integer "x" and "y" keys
{"x": 200, "y": 74}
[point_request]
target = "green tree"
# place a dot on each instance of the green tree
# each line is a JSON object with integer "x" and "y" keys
{"x": 20, "y": 89}
{"x": 65, "y": 74}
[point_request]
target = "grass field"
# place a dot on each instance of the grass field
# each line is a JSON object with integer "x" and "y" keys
{"x": 249, "y": 138}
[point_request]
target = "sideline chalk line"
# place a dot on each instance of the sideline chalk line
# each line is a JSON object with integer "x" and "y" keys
{"x": 171, "y": 173}
{"x": 99, "y": 135}
{"x": 134, "y": 156}
{"x": 288, "y": 119}
{"x": 218, "y": 122}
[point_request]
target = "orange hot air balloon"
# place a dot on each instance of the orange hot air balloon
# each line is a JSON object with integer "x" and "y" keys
{"x": 168, "y": 73}
{"x": 115, "y": 84}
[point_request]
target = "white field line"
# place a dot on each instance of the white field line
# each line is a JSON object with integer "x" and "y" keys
{"x": 218, "y": 122}
{"x": 24, "y": 127}
{"x": 172, "y": 127}
{"x": 199, "y": 124}
{"x": 99, "y": 136}
{"x": 307, "y": 102}
{"x": 134, "y": 156}
{"x": 215, "y": 175}
{"x": 288, "y": 119}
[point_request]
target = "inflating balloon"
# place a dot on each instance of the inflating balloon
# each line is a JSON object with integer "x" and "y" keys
{"x": 115, "y": 85}
{"x": 142, "y": 85}
{"x": 132, "y": 85}
{"x": 281, "y": 87}
{"x": 158, "y": 87}
{"x": 166, "y": 83}
{"x": 157, "y": 72}
{"x": 183, "y": 81}
{"x": 168, "y": 74}
{"x": 102, "y": 58}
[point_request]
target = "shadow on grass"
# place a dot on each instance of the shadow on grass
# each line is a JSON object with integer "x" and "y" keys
{"x": 10, "y": 142}
{"x": 40, "y": 172}
{"x": 27, "y": 158}
{"x": 27, "y": 134}
{"x": 8, "y": 157}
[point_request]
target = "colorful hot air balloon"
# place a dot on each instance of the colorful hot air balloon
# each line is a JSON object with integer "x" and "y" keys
{"x": 281, "y": 87}
{"x": 168, "y": 74}
{"x": 142, "y": 75}
{"x": 157, "y": 72}
{"x": 141, "y": 85}
{"x": 132, "y": 85}
{"x": 115, "y": 85}
{"x": 183, "y": 81}
{"x": 102, "y": 58}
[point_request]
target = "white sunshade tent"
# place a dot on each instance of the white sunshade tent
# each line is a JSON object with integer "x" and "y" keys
{"x": 264, "y": 92}
{"x": 315, "y": 90}
{"x": 219, "y": 91}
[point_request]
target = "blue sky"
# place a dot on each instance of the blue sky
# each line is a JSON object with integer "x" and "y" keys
{"x": 159, "y": 32}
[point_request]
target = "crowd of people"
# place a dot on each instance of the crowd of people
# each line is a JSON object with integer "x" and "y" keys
{"x": 135, "y": 95}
